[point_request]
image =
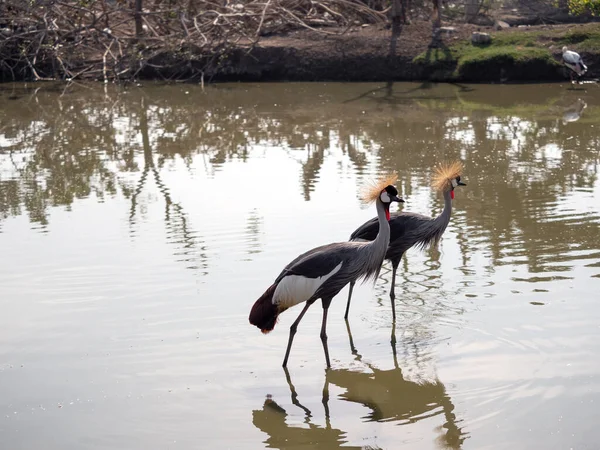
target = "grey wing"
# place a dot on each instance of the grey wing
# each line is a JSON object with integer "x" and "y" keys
{"x": 409, "y": 217}
{"x": 399, "y": 224}
{"x": 367, "y": 231}
{"x": 337, "y": 261}
{"x": 315, "y": 263}
{"x": 406, "y": 230}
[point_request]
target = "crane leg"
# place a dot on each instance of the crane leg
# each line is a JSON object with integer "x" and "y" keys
{"x": 293, "y": 330}
{"x": 352, "y": 347}
{"x": 352, "y": 283}
{"x": 326, "y": 303}
{"x": 393, "y": 342}
{"x": 393, "y": 289}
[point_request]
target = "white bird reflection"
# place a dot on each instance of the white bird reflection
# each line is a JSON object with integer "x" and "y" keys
{"x": 574, "y": 112}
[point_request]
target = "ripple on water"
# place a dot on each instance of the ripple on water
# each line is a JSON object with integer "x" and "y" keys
{"x": 119, "y": 314}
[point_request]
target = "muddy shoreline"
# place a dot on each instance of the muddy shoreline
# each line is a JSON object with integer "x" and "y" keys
{"x": 366, "y": 54}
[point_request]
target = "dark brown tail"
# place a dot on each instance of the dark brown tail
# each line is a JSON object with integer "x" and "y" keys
{"x": 264, "y": 313}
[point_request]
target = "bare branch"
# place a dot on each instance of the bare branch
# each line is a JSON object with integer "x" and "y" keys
{"x": 71, "y": 38}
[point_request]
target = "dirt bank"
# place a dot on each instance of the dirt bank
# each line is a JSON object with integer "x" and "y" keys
{"x": 516, "y": 54}
{"x": 363, "y": 52}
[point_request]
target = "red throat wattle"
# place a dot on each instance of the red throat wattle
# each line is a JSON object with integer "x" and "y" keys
{"x": 452, "y": 194}
{"x": 387, "y": 214}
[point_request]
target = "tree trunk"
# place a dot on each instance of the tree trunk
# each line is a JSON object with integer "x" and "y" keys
{"x": 436, "y": 24}
{"x": 139, "y": 30}
{"x": 437, "y": 14}
{"x": 405, "y": 6}
{"x": 471, "y": 10}
{"x": 397, "y": 13}
{"x": 396, "y": 17}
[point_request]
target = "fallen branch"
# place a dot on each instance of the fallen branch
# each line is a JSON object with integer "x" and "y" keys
{"x": 69, "y": 38}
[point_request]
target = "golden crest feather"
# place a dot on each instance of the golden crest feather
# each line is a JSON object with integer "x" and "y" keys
{"x": 370, "y": 192}
{"x": 445, "y": 173}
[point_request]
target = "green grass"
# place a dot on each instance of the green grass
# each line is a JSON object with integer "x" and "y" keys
{"x": 516, "y": 54}
{"x": 580, "y": 36}
{"x": 487, "y": 60}
{"x": 491, "y": 62}
{"x": 583, "y": 38}
{"x": 516, "y": 38}
{"x": 513, "y": 54}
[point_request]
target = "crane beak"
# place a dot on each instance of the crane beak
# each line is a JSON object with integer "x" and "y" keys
{"x": 395, "y": 198}
{"x": 460, "y": 183}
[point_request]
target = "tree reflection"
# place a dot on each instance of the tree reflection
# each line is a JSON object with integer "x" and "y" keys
{"x": 191, "y": 250}
{"x": 43, "y": 166}
{"x": 522, "y": 156}
{"x": 253, "y": 231}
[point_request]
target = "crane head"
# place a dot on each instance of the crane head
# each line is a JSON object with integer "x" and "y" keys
{"x": 447, "y": 177}
{"x": 456, "y": 182}
{"x": 373, "y": 190}
{"x": 390, "y": 194}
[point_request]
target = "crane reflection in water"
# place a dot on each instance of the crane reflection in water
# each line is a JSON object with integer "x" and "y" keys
{"x": 386, "y": 393}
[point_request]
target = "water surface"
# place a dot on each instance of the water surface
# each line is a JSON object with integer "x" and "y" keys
{"x": 139, "y": 224}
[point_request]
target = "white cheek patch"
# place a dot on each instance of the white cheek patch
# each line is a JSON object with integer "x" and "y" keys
{"x": 454, "y": 183}
{"x": 385, "y": 198}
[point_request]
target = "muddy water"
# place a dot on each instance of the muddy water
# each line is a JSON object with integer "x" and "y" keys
{"x": 139, "y": 224}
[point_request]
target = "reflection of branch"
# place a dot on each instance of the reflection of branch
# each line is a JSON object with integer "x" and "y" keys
{"x": 137, "y": 191}
{"x": 253, "y": 232}
{"x": 171, "y": 220}
{"x": 12, "y": 160}
{"x": 310, "y": 170}
{"x": 358, "y": 158}
{"x": 188, "y": 239}
{"x": 389, "y": 97}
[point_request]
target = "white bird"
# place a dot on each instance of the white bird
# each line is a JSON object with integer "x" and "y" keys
{"x": 574, "y": 62}
{"x": 321, "y": 273}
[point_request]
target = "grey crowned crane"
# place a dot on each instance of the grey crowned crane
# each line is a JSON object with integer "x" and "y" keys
{"x": 574, "y": 62}
{"x": 321, "y": 273}
{"x": 410, "y": 229}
